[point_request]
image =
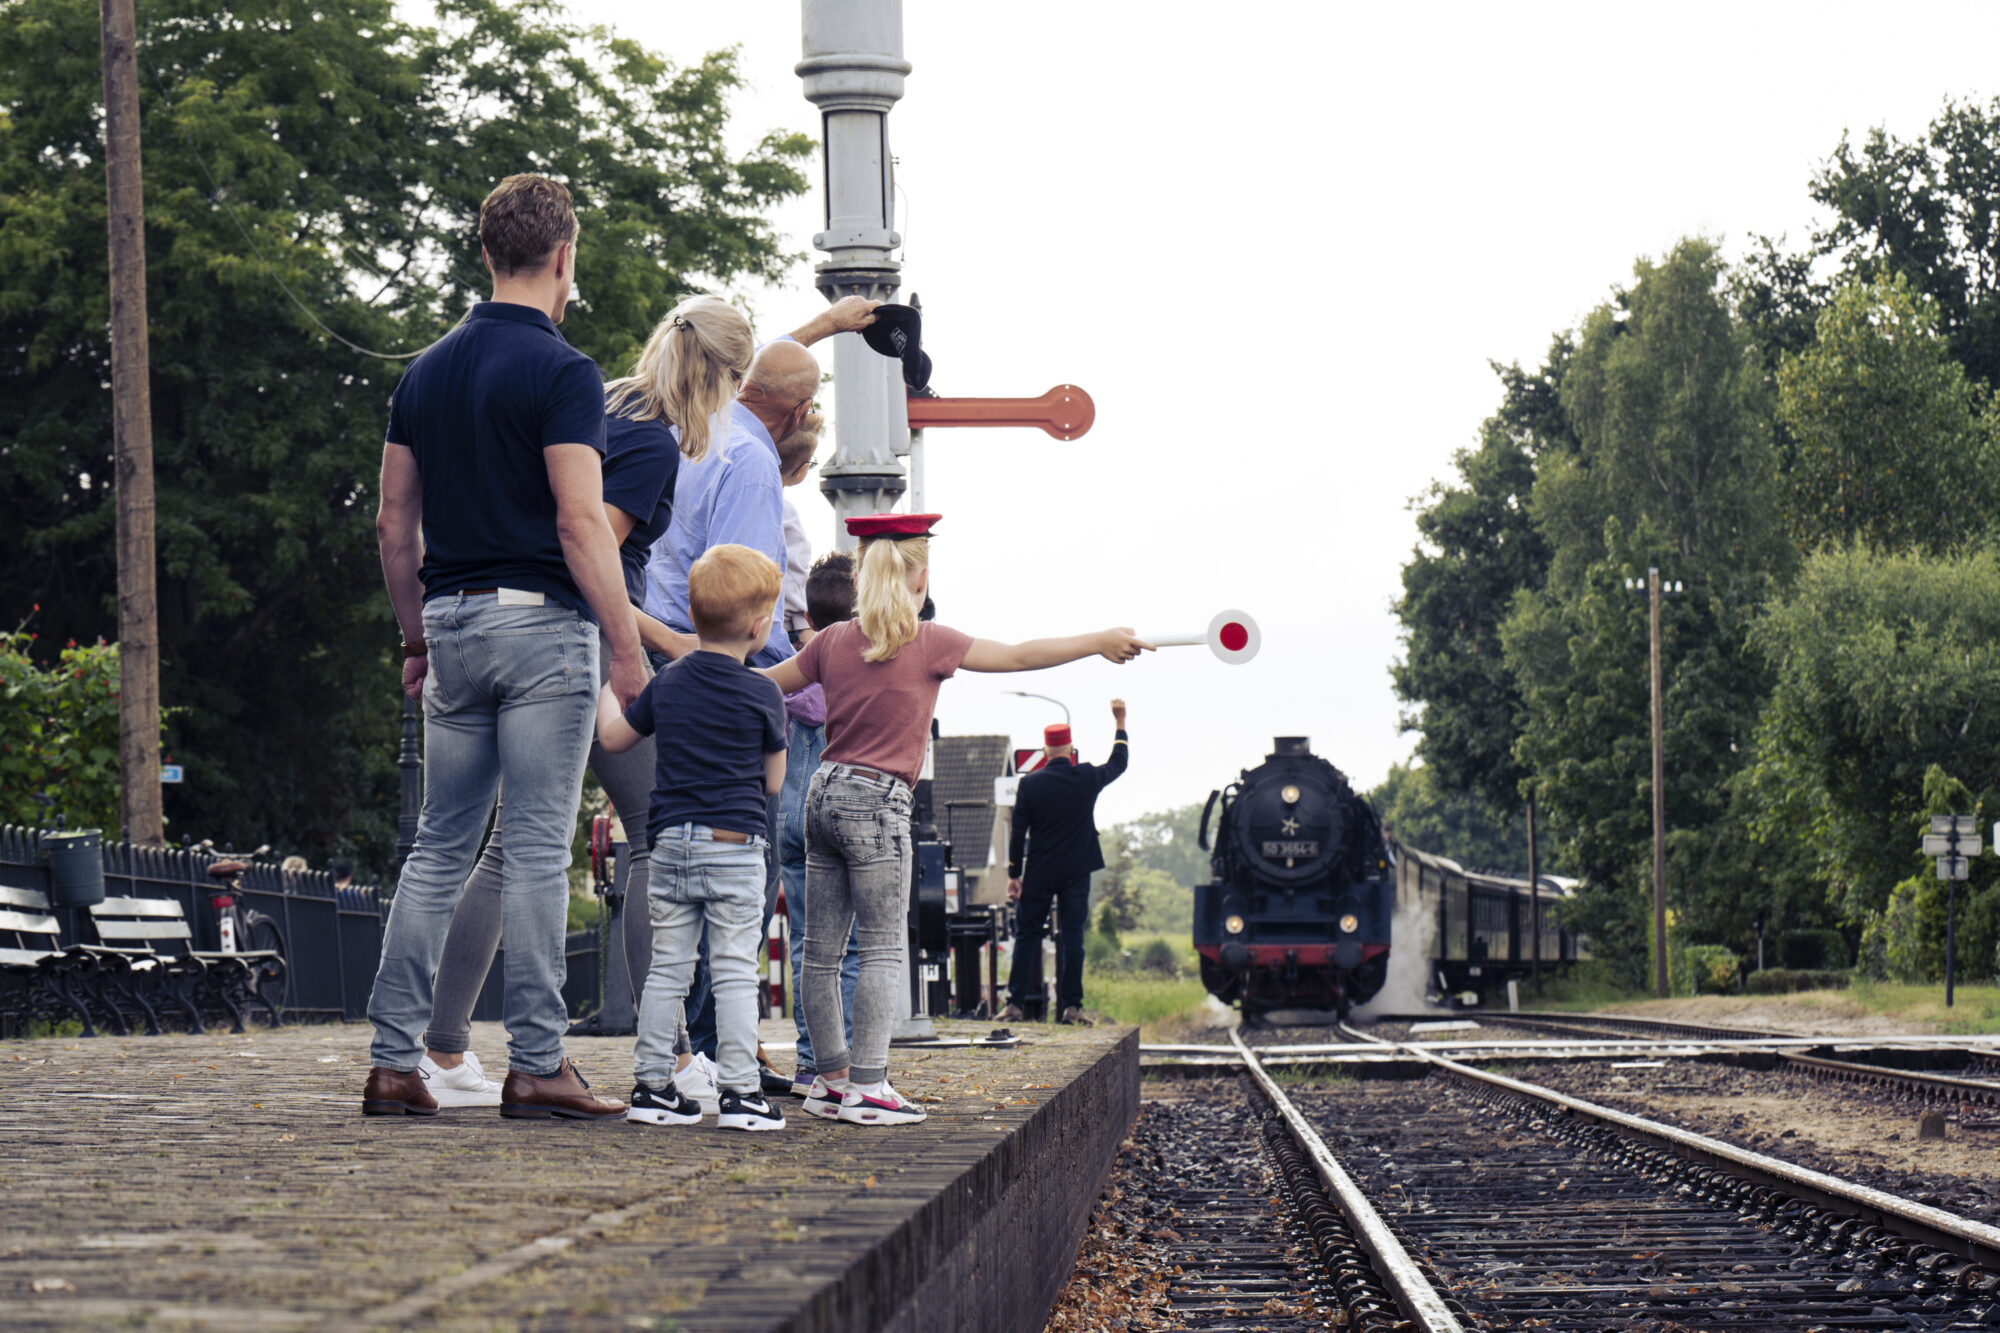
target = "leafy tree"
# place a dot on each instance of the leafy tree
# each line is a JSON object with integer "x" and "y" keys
{"x": 337, "y": 152}
{"x": 1417, "y": 808}
{"x": 1887, "y": 666}
{"x": 1671, "y": 470}
{"x": 1890, "y": 443}
{"x": 1479, "y": 546}
{"x": 1929, "y": 209}
{"x": 1152, "y": 864}
{"x": 59, "y": 735}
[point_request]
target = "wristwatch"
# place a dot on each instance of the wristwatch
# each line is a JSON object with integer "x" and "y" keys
{"x": 417, "y": 649}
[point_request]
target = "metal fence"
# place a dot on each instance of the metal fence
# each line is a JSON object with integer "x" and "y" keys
{"x": 333, "y": 937}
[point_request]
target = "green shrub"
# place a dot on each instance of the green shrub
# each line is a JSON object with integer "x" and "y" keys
{"x": 59, "y": 735}
{"x": 1708, "y": 969}
{"x": 1787, "y": 980}
{"x": 1159, "y": 957}
{"x": 1102, "y": 951}
{"x": 1812, "y": 949}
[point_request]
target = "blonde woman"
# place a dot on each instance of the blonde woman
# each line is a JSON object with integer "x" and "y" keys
{"x": 881, "y": 672}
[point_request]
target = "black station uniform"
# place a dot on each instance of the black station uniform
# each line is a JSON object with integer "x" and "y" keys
{"x": 1052, "y": 852}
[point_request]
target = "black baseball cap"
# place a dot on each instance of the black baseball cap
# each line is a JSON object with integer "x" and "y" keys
{"x": 898, "y": 332}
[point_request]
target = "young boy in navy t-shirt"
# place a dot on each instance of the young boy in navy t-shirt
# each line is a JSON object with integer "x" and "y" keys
{"x": 719, "y": 728}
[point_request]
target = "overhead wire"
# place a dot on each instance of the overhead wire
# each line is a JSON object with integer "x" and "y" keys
{"x": 217, "y": 196}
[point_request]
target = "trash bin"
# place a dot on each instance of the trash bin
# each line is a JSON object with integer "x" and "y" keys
{"x": 76, "y": 867}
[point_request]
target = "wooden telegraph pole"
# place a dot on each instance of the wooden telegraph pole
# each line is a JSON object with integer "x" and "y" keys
{"x": 132, "y": 435}
{"x": 1659, "y": 797}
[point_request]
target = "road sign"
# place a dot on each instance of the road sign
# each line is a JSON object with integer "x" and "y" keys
{"x": 1942, "y": 844}
{"x": 1953, "y": 867}
{"x": 1004, "y": 791}
{"x": 170, "y": 772}
{"x": 1027, "y": 761}
{"x": 1959, "y": 824}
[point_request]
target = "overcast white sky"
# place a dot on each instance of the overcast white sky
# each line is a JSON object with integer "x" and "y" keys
{"x": 1278, "y": 244}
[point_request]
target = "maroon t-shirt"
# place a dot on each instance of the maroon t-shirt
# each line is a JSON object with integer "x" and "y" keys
{"x": 878, "y": 714}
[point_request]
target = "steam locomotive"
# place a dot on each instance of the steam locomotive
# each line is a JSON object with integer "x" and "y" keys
{"x": 1306, "y": 889}
{"x": 1298, "y": 913}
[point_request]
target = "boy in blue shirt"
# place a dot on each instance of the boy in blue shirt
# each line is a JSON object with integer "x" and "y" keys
{"x": 720, "y": 731}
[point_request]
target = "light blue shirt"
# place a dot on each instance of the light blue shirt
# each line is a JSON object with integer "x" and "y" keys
{"x": 733, "y": 495}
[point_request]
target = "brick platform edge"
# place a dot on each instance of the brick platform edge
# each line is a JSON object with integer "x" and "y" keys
{"x": 990, "y": 1252}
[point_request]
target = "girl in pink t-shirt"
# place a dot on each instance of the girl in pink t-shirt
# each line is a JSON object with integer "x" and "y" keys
{"x": 881, "y": 673}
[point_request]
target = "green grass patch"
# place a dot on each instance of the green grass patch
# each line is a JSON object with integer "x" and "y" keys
{"x": 1975, "y": 1009}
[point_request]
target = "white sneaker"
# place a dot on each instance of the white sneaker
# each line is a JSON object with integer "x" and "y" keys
{"x": 863, "y": 1108}
{"x": 464, "y": 1085}
{"x": 698, "y": 1081}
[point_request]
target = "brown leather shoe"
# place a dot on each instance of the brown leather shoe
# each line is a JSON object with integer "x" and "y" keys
{"x": 563, "y": 1093}
{"x": 1012, "y": 1014}
{"x": 1076, "y": 1018}
{"x": 391, "y": 1092}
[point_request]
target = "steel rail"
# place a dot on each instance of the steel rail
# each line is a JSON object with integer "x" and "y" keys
{"x": 1413, "y": 1293}
{"x": 1943, "y": 1085}
{"x": 1974, "y": 1241}
{"x": 1659, "y": 1027}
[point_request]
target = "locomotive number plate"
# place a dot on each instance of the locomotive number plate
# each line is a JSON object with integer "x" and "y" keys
{"x": 1291, "y": 850}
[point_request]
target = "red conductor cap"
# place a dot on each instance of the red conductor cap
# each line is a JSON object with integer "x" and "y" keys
{"x": 896, "y": 527}
{"x": 1057, "y": 736}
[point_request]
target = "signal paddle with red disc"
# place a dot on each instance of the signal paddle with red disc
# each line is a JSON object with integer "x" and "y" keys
{"x": 1232, "y": 636}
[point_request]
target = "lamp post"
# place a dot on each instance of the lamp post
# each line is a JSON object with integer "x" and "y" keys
{"x": 409, "y": 759}
{"x": 1655, "y": 590}
{"x": 1025, "y": 694}
{"x": 853, "y": 70}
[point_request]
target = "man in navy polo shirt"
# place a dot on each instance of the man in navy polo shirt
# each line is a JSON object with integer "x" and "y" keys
{"x": 503, "y": 572}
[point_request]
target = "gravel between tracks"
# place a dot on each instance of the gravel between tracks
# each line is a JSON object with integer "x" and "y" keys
{"x": 1855, "y": 1132}
{"x": 1140, "y": 1266}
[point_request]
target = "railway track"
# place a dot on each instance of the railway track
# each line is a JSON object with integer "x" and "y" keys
{"x": 1479, "y": 1201}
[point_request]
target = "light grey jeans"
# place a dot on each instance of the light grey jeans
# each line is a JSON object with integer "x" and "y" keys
{"x": 508, "y": 700}
{"x": 475, "y": 931}
{"x": 857, "y": 877}
{"x": 696, "y": 879}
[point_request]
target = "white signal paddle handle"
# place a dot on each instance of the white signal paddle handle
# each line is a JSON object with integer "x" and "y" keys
{"x": 1176, "y": 640}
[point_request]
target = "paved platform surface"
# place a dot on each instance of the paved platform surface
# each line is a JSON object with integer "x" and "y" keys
{"x": 230, "y": 1182}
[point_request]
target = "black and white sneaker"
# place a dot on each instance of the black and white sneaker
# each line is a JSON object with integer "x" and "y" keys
{"x": 748, "y": 1110}
{"x": 653, "y": 1107}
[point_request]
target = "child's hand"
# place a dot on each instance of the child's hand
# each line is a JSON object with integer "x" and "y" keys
{"x": 1121, "y": 645}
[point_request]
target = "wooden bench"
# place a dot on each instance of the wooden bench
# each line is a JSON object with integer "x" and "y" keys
{"x": 44, "y": 978}
{"x": 135, "y": 928}
{"x": 133, "y": 968}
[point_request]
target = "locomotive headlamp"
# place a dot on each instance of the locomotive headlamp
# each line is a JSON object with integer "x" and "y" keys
{"x": 1233, "y": 924}
{"x": 1349, "y": 924}
{"x": 1290, "y": 795}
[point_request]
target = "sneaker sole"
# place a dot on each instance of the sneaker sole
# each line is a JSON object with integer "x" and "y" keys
{"x": 448, "y": 1099}
{"x": 396, "y": 1108}
{"x": 831, "y": 1110}
{"x": 753, "y": 1123}
{"x": 649, "y": 1116}
{"x": 850, "y": 1115}
{"x": 517, "y": 1111}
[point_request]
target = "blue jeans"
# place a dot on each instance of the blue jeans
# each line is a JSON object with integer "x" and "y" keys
{"x": 1072, "y": 899}
{"x": 698, "y": 883}
{"x": 508, "y": 699}
{"x": 857, "y": 879}
{"x": 808, "y": 743}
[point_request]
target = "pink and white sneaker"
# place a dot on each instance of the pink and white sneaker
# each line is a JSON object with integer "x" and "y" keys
{"x": 822, "y": 1100}
{"x": 860, "y": 1108}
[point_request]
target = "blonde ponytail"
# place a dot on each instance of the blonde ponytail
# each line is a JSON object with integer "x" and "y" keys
{"x": 687, "y": 372}
{"x": 884, "y": 602}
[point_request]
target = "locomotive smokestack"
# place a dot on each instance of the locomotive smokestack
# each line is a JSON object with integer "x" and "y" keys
{"x": 1284, "y": 745}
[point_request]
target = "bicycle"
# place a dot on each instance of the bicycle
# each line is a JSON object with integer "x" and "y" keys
{"x": 253, "y": 939}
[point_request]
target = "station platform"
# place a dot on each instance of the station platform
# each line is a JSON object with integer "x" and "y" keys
{"x": 230, "y": 1182}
